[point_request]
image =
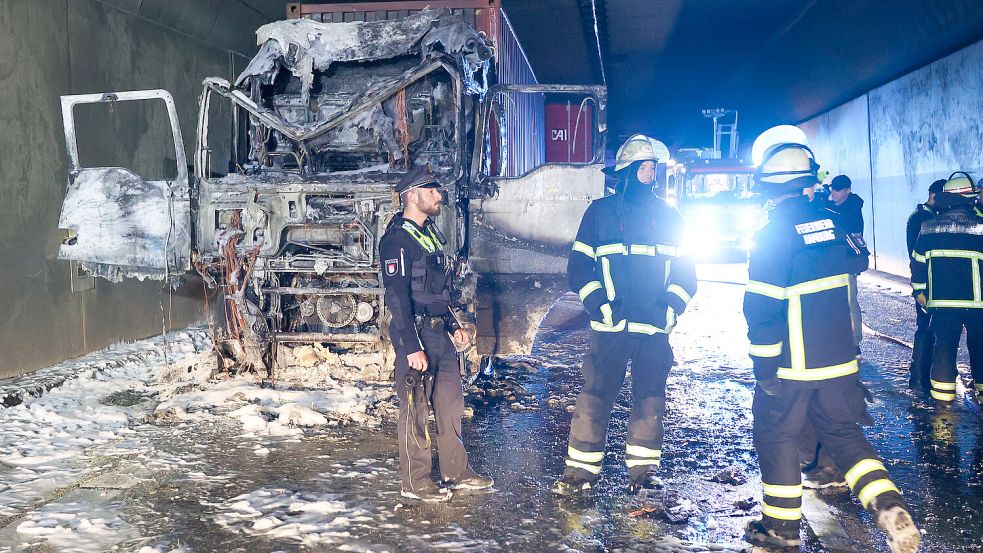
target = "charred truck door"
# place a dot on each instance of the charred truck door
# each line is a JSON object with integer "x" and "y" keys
{"x": 539, "y": 169}
{"x": 115, "y": 222}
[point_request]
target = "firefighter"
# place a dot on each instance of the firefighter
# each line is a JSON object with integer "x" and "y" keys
{"x": 805, "y": 361}
{"x": 634, "y": 279}
{"x": 419, "y": 295}
{"x": 924, "y": 340}
{"x": 945, "y": 279}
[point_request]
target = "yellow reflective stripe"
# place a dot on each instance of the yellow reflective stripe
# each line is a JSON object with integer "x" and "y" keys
{"x": 775, "y": 490}
{"x": 765, "y": 289}
{"x": 942, "y": 385}
{"x": 979, "y": 387}
{"x": 964, "y": 304}
{"x": 593, "y": 469}
{"x": 601, "y": 327}
{"x": 640, "y": 462}
{"x": 671, "y": 251}
{"x": 781, "y": 513}
{"x": 422, "y": 239}
{"x": 585, "y": 456}
{"x": 584, "y": 249}
{"x": 680, "y": 292}
{"x": 766, "y": 350}
{"x": 643, "y": 328}
{"x": 796, "y": 336}
{"x": 943, "y": 396}
{"x": 588, "y": 288}
{"x": 819, "y": 373}
{"x": 918, "y": 257}
{"x": 607, "y": 315}
{"x": 961, "y": 254}
{"x": 861, "y": 469}
{"x": 639, "y": 249}
{"x": 610, "y": 249}
{"x": 639, "y": 451}
{"x": 918, "y": 286}
{"x": 874, "y": 489}
{"x": 608, "y": 281}
{"x": 818, "y": 285}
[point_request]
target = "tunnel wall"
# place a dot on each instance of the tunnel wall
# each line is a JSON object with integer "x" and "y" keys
{"x": 56, "y": 47}
{"x": 898, "y": 138}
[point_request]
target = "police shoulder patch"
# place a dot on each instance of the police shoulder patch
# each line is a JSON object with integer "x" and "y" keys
{"x": 392, "y": 266}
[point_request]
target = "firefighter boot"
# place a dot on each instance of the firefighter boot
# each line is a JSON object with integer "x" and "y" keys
{"x": 646, "y": 481}
{"x": 902, "y": 535}
{"x": 757, "y": 534}
{"x": 571, "y": 485}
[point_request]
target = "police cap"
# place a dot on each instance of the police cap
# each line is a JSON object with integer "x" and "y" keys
{"x": 419, "y": 176}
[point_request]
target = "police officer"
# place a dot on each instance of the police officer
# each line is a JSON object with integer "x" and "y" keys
{"x": 419, "y": 292}
{"x": 629, "y": 269}
{"x": 924, "y": 341}
{"x": 805, "y": 361}
{"x": 945, "y": 279}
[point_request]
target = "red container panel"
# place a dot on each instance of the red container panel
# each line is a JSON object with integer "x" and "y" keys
{"x": 569, "y": 133}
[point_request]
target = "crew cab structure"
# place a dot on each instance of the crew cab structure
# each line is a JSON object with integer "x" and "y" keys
{"x": 284, "y": 217}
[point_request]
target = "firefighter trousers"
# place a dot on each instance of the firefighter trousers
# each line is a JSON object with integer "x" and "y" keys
{"x": 948, "y": 327}
{"x": 922, "y": 349}
{"x": 604, "y": 374}
{"x": 440, "y": 390}
{"x": 834, "y": 407}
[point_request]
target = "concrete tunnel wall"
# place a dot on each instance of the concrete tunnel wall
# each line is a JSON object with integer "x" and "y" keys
{"x": 898, "y": 138}
{"x": 55, "y": 47}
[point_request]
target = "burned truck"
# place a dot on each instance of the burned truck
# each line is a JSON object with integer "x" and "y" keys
{"x": 292, "y": 187}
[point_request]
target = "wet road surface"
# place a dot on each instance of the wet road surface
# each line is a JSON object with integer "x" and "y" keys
{"x": 202, "y": 487}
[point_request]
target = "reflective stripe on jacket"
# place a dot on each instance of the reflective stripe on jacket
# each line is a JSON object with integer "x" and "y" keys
{"x": 628, "y": 266}
{"x": 946, "y": 261}
{"x": 797, "y": 299}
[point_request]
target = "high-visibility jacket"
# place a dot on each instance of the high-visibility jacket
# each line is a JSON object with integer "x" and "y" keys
{"x": 797, "y": 301}
{"x": 628, "y": 264}
{"x": 947, "y": 260}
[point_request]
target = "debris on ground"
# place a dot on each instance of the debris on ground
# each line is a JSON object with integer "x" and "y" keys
{"x": 730, "y": 475}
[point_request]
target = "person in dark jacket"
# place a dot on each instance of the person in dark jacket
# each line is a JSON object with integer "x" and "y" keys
{"x": 945, "y": 279}
{"x": 849, "y": 207}
{"x": 924, "y": 340}
{"x": 419, "y": 294}
{"x": 804, "y": 358}
{"x": 634, "y": 279}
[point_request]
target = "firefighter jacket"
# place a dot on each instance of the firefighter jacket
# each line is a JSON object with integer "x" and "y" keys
{"x": 417, "y": 279}
{"x": 922, "y": 213}
{"x": 946, "y": 261}
{"x": 797, "y": 302}
{"x": 628, "y": 265}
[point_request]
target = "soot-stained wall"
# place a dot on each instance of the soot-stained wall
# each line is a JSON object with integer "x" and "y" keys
{"x": 896, "y": 139}
{"x": 53, "y": 47}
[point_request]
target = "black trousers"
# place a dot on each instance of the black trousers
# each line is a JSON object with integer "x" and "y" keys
{"x": 604, "y": 374}
{"x": 948, "y": 327}
{"x": 922, "y": 349}
{"x": 439, "y": 390}
{"x": 834, "y": 408}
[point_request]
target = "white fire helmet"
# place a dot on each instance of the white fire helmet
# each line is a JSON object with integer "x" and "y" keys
{"x": 640, "y": 148}
{"x": 960, "y": 183}
{"x": 782, "y": 134}
{"x": 785, "y": 169}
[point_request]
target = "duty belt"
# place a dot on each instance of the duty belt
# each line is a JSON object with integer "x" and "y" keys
{"x": 436, "y": 323}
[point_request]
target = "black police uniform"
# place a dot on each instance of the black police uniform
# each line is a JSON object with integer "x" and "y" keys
{"x": 924, "y": 341}
{"x": 946, "y": 265}
{"x": 799, "y": 325}
{"x": 629, "y": 269}
{"x": 418, "y": 296}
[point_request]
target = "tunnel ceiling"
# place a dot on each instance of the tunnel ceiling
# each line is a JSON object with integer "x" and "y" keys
{"x": 775, "y": 61}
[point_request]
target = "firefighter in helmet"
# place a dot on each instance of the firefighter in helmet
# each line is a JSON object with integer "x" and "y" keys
{"x": 805, "y": 360}
{"x": 945, "y": 279}
{"x": 634, "y": 279}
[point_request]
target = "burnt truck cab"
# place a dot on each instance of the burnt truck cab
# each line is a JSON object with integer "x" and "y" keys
{"x": 718, "y": 201}
{"x": 292, "y": 186}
